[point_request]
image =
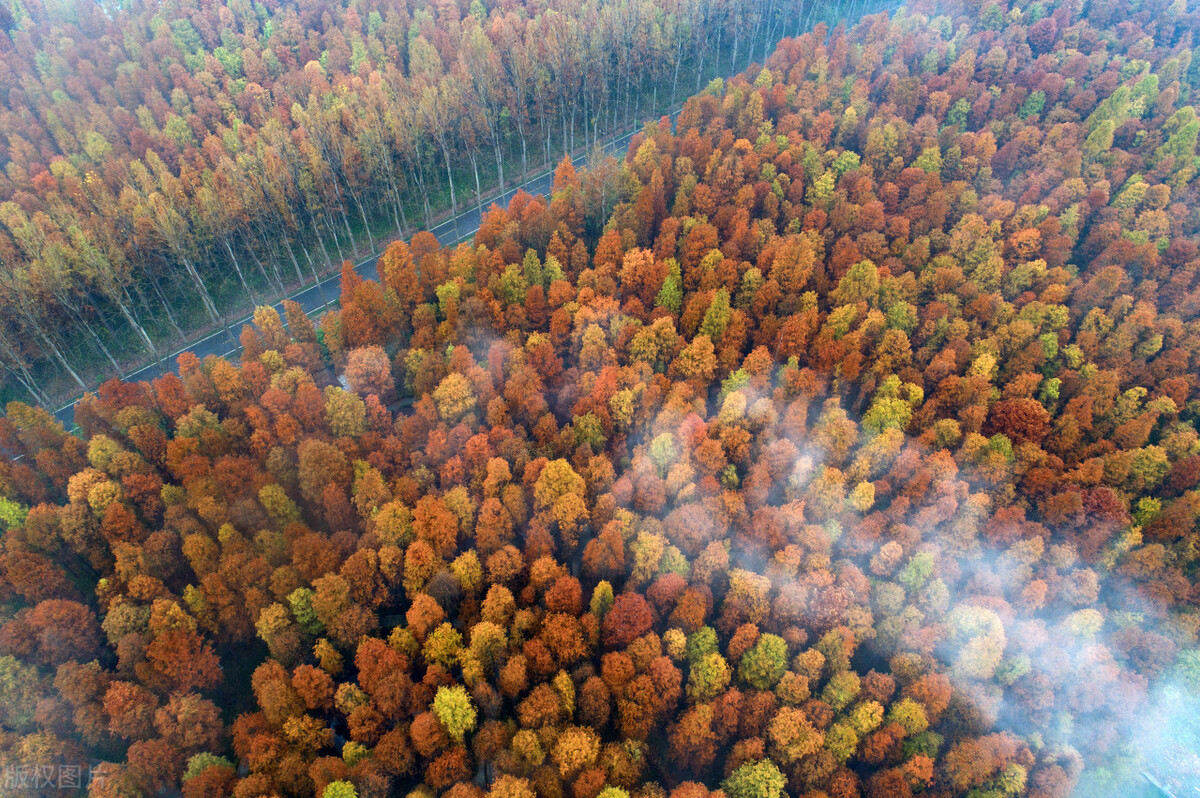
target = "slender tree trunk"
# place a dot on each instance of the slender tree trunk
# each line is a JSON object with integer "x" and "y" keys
{"x": 274, "y": 261}
{"x": 129, "y": 309}
{"x": 15, "y": 365}
{"x": 363, "y": 213}
{"x": 562, "y": 116}
{"x": 97, "y": 341}
{"x": 395, "y": 203}
{"x": 629, "y": 91}
{"x": 398, "y": 205}
{"x": 287, "y": 245}
{"x": 349, "y": 235}
{"x": 209, "y": 305}
{"x": 772, "y": 26}
{"x": 499, "y": 162}
{"x": 587, "y": 122}
{"x": 316, "y": 277}
{"x": 449, "y": 175}
{"x": 141, "y": 301}
{"x": 425, "y": 196}
{"x": 332, "y": 226}
{"x": 321, "y": 241}
{"x": 133, "y": 322}
{"x": 607, "y": 111}
{"x": 104, "y": 320}
{"x": 637, "y": 106}
{"x": 703, "y": 54}
{"x": 166, "y": 305}
{"x": 418, "y": 176}
{"x": 403, "y": 216}
{"x": 675, "y": 77}
{"x": 753, "y": 41}
{"x": 258, "y": 263}
{"x": 345, "y": 219}
{"x": 238, "y": 269}
{"x": 737, "y": 38}
{"x": 22, "y": 376}
{"x": 586, "y": 119}
{"x": 395, "y": 197}
{"x": 205, "y": 297}
{"x": 478, "y": 191}
{"x": 518, "y": 119}
{"x": 58, "y": 355}
{"x": 34, "y": 391}
{"x": 613, "y": 101}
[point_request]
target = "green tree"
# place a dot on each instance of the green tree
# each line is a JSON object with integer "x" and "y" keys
{"x": 717, "y": 317}
{"x": 892, "y": 406}
{"x": 670, "y": 296}
{"x": 663, "y": 453}
{"x": 12, "y": 514}
{"x": 764, "y": 665}
{"x": 760, "y": 779}
{"x": 20, "y": 690}
{"x": 859, "y": 284}
{"x": 930, "y": 160}
{"x": 339, "y": 789}
{"x": 203, "y": 760}
{"x": 708, "y": 678}
{"x": 841, "y": 740}
{"x": 613, "y": 792}
{"x": 701, "y": 643}
{"x": 442, "y": 645}
{"x": 602, "y": 599}
{"x": 454, "y": 711}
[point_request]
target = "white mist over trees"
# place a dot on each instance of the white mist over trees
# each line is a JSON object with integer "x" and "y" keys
{"x": 839, "y": 440}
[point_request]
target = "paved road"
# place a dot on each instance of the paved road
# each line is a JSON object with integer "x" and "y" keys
{"x": 313, "y": 299}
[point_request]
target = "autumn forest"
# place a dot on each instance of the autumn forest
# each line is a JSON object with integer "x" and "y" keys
{"x": 167, "y": 166}
{"x": 837, "y": 439}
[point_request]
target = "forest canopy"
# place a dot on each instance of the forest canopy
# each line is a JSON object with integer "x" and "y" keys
{"x": 169, "y": 164}
{"x": 851, "y": 451}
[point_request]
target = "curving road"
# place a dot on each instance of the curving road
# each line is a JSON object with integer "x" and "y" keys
{"x": 313, "y": 298}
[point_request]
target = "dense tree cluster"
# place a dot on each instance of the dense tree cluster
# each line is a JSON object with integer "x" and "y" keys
{"x": 165, "y": 162}
{"x": 854, "y": 452}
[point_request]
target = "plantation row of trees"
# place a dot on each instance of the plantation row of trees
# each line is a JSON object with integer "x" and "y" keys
{"x": 851, "y": 450}
{"x": 168, "y": 162}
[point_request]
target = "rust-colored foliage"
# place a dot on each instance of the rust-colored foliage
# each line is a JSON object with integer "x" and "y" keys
{"x": 832, "y": 442}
